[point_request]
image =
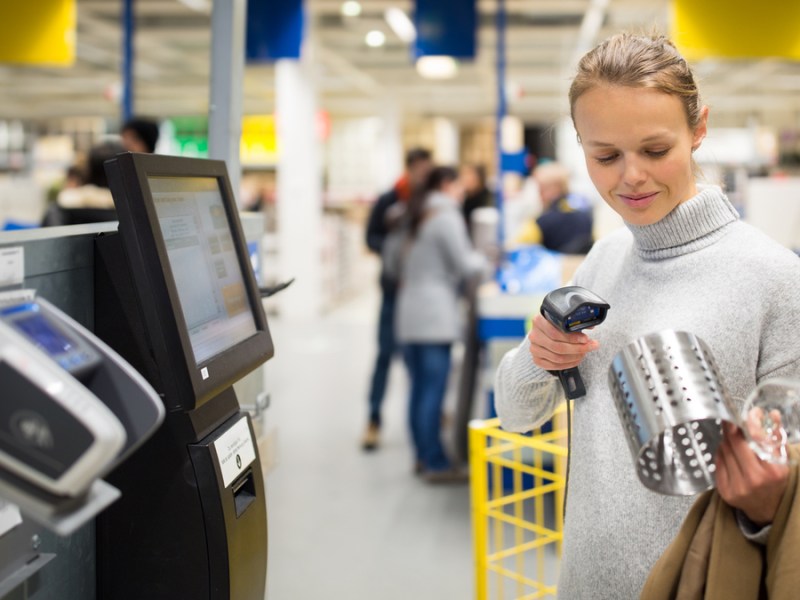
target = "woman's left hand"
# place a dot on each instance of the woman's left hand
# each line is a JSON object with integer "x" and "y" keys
{"x": 746, "y": 482}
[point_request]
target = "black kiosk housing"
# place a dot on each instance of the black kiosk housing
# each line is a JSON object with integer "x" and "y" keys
{"x": 176, "y": 296}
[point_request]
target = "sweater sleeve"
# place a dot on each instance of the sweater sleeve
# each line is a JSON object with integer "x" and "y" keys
{"x": 525, "y": 395}
{"x": 754, "y": 533}
{"x": 779, "y": 352}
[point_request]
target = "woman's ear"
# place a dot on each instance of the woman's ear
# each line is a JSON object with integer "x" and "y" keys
{"x": 701, "y": 130}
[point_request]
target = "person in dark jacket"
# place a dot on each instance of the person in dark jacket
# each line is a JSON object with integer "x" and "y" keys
{"x": 477, "y": 195}
{"x": 385, "y": 213}
{"x": 139, "y": 135}
{"x": 565, "y": 224}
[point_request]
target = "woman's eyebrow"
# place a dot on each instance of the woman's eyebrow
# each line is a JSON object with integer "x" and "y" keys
{"x": 598, "y": 143}
{"x": 650, "y": 138}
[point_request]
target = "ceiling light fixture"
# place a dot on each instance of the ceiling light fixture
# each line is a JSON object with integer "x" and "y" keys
{"x": 437, "y": 67}
{"x": 400, "y": 23}
{"x": 375, "y": 38}
{"x": 351, "y": 8}
{"x": 198, "y": 5}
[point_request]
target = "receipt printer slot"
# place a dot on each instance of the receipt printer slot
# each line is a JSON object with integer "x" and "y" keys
{"x": 244, "y": 493}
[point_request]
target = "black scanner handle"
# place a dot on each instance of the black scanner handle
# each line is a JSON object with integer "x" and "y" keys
{"x": 573, "y": 308}
{"x": 572, "y": 382}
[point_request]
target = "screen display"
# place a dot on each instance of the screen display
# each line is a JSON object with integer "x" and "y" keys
{"x": 584, "y": 317}
{"x": 43, "y": 334}
{"x": 71, "y": 353}
{"x": 204, "y": 263}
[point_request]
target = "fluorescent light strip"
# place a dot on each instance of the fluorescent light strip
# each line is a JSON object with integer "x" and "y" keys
{"x": 351, "y": 8}
{"x": 198, "y": 5}
{"x": 401, "y": 24}
{"x": 375, "y": 39}
{"x": 437, "y": 67}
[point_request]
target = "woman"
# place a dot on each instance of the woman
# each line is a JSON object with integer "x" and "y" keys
{"x": 430, "y": 258}
{"x": 683, "y": 262}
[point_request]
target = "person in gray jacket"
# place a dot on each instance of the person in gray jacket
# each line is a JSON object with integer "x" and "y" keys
{"x": 431, "y": 257}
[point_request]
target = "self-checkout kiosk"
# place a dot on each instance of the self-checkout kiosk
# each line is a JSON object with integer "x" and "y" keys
{"x": 176, "y": 297}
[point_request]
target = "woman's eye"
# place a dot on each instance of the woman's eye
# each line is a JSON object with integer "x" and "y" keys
{"x": 657, "y": 153}
{"x": 604, "y": 160}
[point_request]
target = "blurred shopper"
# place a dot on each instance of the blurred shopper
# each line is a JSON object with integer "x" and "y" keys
{"x": 477, "y": 195}
{"x": 431, "y": 257}
{"x": 139, "y": 135}
{"x": 90, "y": 202}
{"x": 684, "y": 261}
{"x": 74, "y": 177}
{"x": 565, "y": 223}
{"x": 384, "y": 216}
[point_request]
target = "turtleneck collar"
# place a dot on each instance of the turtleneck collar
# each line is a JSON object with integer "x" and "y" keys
{"x": 691, "y": 226}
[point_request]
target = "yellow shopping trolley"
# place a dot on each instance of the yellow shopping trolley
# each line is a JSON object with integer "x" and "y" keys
{"x": 517, "y": 485}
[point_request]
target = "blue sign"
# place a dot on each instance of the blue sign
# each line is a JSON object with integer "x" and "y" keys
{"x": 514, "y": 162}
{"x": 274, "y": 29}
{"x": 446, "y": 28}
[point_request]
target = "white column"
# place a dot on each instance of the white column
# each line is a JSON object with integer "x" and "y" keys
{"x": 446, "y": 145}
{"x": 390, "y": 165}
{"x": 299, "y": 189}
{"x": 227, "y": 77}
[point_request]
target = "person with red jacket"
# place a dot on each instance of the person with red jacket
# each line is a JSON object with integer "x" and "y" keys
{"x": 381, "y": 219}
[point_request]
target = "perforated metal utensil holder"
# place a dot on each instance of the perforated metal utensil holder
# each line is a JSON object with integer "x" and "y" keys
{"x": 671, "y": 401}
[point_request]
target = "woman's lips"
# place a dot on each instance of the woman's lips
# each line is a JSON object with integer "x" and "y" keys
{"x": 638, "y": 200}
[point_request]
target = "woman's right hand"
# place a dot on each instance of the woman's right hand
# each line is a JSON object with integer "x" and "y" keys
{"x": 554, "y": 350}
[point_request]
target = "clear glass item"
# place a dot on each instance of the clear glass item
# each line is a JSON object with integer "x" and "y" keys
{"x": 771, "y": 419}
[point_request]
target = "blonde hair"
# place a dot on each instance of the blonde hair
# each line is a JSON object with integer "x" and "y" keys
{"x": 646, "y": 61}
{"x": 552, "y": 172}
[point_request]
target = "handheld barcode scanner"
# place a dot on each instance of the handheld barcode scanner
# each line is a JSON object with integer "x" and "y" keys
{"x": 573, "y": 308}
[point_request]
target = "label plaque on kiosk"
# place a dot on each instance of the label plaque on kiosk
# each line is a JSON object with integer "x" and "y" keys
{"x": 235, "y": 451}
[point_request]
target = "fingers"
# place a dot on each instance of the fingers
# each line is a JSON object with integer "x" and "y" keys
{"x": 746, "y": 482}
{"x": 723, "y": 476}
{"x": 766, "y": 430}
{"x": 554, "y": 350}
{"x": 754, "y": 423}
{"x": 731, "y": 477}
{"x": 745, "y": 460}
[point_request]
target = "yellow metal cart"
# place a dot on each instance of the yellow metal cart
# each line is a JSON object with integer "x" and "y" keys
{"x": 517, "y": 485}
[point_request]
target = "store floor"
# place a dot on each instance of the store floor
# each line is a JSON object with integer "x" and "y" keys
{"x": 345, "y": 525}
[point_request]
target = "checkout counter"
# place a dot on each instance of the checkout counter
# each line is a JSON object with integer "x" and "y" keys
{"x": 164, "y": 495}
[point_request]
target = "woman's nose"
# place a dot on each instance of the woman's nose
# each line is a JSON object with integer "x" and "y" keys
{"x": 633, "y": 172}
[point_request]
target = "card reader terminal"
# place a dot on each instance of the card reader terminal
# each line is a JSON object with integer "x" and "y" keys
{"x": 54, "y": 432}
{"x": 53, "y": 338}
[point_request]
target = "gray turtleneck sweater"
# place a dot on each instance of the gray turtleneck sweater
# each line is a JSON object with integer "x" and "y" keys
{"x": 700, "y": 270}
